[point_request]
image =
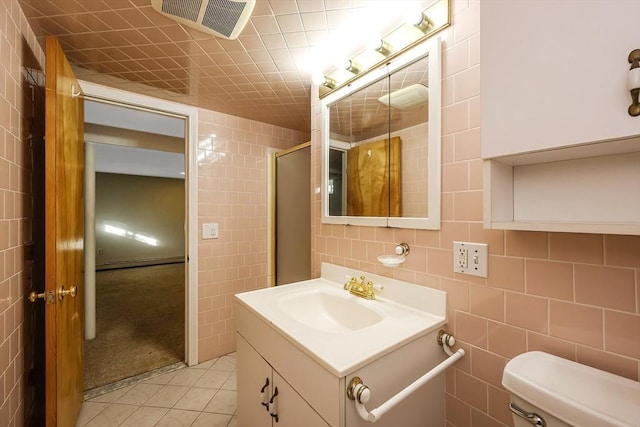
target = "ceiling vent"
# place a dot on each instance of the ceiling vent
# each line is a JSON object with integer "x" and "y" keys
{"x": 222, "y": 18}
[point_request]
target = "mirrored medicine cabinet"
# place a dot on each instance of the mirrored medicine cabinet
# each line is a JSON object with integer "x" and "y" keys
{"x": 381, "y": 144}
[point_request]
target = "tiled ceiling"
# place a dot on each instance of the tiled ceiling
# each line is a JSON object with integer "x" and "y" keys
{"x": 128, "y": 45}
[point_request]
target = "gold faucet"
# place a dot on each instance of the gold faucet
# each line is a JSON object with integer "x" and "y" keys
{"x": 363, "y": 289}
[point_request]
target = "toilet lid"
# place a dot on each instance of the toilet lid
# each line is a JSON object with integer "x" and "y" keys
{"x": 577, "y": 394}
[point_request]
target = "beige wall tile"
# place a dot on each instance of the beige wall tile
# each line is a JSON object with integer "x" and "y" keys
{"x": 506, "y": 273}
{"x": 471, "y": 390}
{"x": 505, "y": 340}
{"x": 527, "y": 244}
{"x": 498, "y": 405}
{"x": 587, "y": 248}
{"x": 486, "y": 302}
{"x": 610, "y": 287}
{"x": 457, "y": 412}
{"x": 471, "y": 329}
{"x": 549, "y": 279}
{"x": 576, "y": 323}
{"x": 487, "y": 366}
{"x": 622, "y": 333}
{"x": 618, "y": 365}
{"x": 527, "y": 312}
{"x": 551, "y": 345}
{"x": 622, "y": 251}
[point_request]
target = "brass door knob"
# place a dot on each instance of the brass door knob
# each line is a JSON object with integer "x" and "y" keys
{"x": 62, "y": 292}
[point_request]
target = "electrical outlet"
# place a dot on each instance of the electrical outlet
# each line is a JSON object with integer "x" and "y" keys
{"x": 470, "y": 258}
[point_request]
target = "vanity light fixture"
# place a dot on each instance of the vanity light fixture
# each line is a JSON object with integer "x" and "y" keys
{"x": 381, "y": 49}
{"x": 381, "y": 46}
{"x": 352, "y": 66}
{"x": 423, "y": 24}
{"x": 325, "y": 81}
{"x": 634, "y": 82}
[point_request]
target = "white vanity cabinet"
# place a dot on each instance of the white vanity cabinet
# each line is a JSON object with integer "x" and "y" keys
{"x": 561, "y": 152}
{"x": 255, "y": 377}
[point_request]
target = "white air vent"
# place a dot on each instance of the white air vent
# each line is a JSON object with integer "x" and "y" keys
{"x": 409, "y": 97}
{"x": 222, "y": 18}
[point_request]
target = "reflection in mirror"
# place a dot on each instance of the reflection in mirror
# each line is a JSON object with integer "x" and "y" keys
{"x": 379, "y": 139}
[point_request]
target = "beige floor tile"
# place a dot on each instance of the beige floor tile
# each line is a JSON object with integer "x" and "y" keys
{"x": 225, "y": 363}
{"x": 89, "y": 411}
{"x": 187, "y": 377}
{"x": 167, "y": 396}
{"x": 230, "y": 383}
{"x": 111, "y": 397}
{"x": 213, "y": 379}
{"x": 161, "y": 379}
{"x": 178, "y": 418}
{"x": 196, "y": 399}
{"x": 207, "y": 365}
{"x": 139, "y": 394}
{"x": 145, "y": 417}
{"x": 112, "y": 416}
{"x": 212, "y": 420}
{"x": 224, "y": 402}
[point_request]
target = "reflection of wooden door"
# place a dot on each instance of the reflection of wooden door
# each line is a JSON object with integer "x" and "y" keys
{"x": 373, "y": 179}
{"x": 64, "y": 164}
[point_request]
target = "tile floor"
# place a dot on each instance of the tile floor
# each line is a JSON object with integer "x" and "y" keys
{"x": 201, "y": 395}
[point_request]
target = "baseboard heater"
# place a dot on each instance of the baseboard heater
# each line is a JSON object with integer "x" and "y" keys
{"x": 139, "y": 263}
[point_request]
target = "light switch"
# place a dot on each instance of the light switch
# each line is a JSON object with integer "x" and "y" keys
{"x": 210, "y": 230}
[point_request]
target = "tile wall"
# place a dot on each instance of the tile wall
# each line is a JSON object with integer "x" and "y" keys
{"x": 16, "y": 38}
{"x": 232, "y": 191}
{"x": 574, "y": 295}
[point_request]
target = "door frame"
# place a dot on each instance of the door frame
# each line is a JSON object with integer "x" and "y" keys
{"x": 190, "y": 114}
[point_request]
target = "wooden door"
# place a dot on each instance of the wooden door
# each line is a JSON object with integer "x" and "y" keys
{"x": 373, "y": 179}
{"x": 64, "y": 230}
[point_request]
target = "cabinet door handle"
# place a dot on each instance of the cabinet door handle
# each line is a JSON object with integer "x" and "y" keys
{"x": 273, "y": 404}
{"x": 264, "y": 397}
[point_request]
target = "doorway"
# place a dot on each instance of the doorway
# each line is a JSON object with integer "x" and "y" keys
{"x": 146, "y": 268}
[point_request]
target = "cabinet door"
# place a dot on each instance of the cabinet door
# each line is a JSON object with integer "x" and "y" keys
{"x": 253, "y": 373}
{"x": 556, "y": 84}
{"x": 293, "y": 410}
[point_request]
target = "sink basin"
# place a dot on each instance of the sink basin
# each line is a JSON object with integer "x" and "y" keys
{"x": 329, "y": 312}
{"x": 341, "y": 331}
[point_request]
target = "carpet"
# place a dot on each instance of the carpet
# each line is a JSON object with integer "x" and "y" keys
{"x": 139, "y": 323}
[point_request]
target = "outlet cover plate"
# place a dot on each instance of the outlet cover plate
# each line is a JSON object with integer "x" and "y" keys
{"x": 210, "y": 230}
{"x": 470, "y": 258}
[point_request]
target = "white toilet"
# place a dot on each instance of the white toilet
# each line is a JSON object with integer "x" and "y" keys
{"x": 549, "y": 391}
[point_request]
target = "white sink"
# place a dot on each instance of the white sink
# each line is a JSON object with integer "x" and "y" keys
{"x": 323, "y": 309}
{"x": 344, "y": 332}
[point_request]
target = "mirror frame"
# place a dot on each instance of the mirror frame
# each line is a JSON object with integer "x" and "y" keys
{"x": 432, "y": 49}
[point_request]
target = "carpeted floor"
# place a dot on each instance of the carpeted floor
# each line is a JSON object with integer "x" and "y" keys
{"x": 139, "y": 323}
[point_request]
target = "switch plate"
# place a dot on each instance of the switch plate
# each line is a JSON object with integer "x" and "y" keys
{"x": 210, "y": 230}
{"x": 470, "y": 258}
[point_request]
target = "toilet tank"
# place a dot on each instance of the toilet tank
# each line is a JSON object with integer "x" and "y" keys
{"x": 576, "y": 394}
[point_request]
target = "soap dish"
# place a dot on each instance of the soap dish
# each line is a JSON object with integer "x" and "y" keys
{"x": 391, "y": 260}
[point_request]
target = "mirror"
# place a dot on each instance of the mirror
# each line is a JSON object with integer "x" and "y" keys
{"x": 381, "y": 145}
